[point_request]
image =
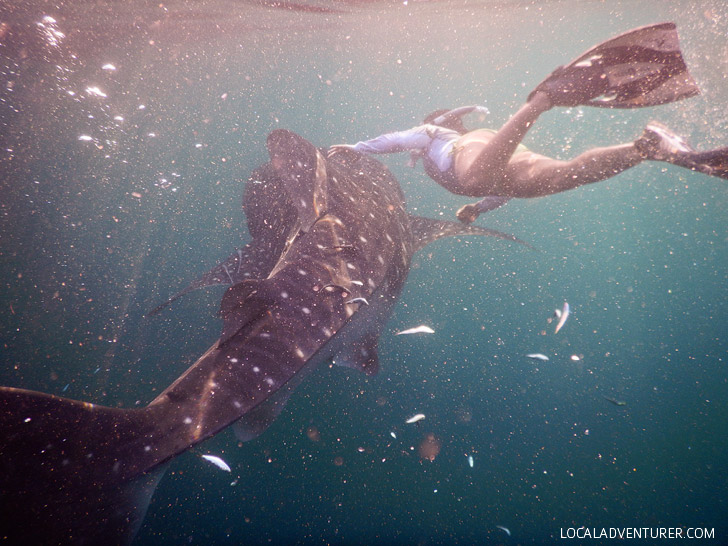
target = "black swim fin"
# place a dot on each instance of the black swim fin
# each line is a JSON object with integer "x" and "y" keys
{"x": 642, "y": 67}
{"x": 712, "y": 163}
{"x": 658, "y": 143}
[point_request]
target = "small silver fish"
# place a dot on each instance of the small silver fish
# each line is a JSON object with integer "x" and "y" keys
{"x": 217, "y": 461}
{"x": 504, "y": 529}
{"x": 415, "y": 418}
{"x": 422, "y": 329}
{"x": 471, "y": 461}
{"x": 537, "y": 356}
{"x": 562, "y": 317}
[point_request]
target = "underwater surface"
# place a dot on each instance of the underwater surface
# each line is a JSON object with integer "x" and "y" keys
{"x": 127, "y": 131}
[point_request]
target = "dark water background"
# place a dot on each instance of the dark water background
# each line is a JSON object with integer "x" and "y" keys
{"x": 93, "y": 233}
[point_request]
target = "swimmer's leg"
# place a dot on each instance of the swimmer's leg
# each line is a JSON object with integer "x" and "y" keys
{"x": 491, "y": 161}
{"x": 534, "y": 175}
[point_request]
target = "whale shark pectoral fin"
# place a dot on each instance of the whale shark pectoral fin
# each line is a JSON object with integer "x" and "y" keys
{"x": 253, "y": 261}
{"x": 302, "y": 168}
{"x": 362, "y": 356}
{"x": 427, "y": 230}
{"x": 256, "y": 421}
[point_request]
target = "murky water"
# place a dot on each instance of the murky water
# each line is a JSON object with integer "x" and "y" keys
{"x": 127, "y": 132}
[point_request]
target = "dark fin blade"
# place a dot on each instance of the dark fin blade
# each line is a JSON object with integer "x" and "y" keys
{"x": 302, "y": 168}
{"x": 426, "y": 231}
{"x": 73, "y": 472}
{"x": 712, "y": 163}
{"x": 641, "y": 67}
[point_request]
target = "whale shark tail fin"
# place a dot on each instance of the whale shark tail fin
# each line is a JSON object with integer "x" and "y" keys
{"x": 75, "y": 467}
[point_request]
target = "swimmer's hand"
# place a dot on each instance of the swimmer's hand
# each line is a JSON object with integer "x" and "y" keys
{"x": 413, "y": 158}
{"x": 467, "y": 214}
{"x": 338, "y": 148}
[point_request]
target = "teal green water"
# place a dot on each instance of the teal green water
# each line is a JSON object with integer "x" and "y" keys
{"x": 93, "y": 233}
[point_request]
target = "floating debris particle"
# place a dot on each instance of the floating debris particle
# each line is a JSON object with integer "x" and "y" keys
{"x": 313, "y": 434}
{"x": 95, "y": 91}
{"x": 429, "y": 448}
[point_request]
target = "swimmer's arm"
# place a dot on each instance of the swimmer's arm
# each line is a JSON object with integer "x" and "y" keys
{"x": 491, "y": 202}
{"x": 416, "y": 139}
{"x": 459, "y": 112}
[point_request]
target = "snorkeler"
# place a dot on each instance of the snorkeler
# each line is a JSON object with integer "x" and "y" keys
{"x": 642, "y": 67}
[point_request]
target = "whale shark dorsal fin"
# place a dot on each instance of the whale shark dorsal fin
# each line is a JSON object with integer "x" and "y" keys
{"x": 427, "y": 230}
{"x": 302, "y": 168}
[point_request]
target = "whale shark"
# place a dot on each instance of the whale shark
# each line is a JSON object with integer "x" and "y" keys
{"x": 330, "y": 250}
